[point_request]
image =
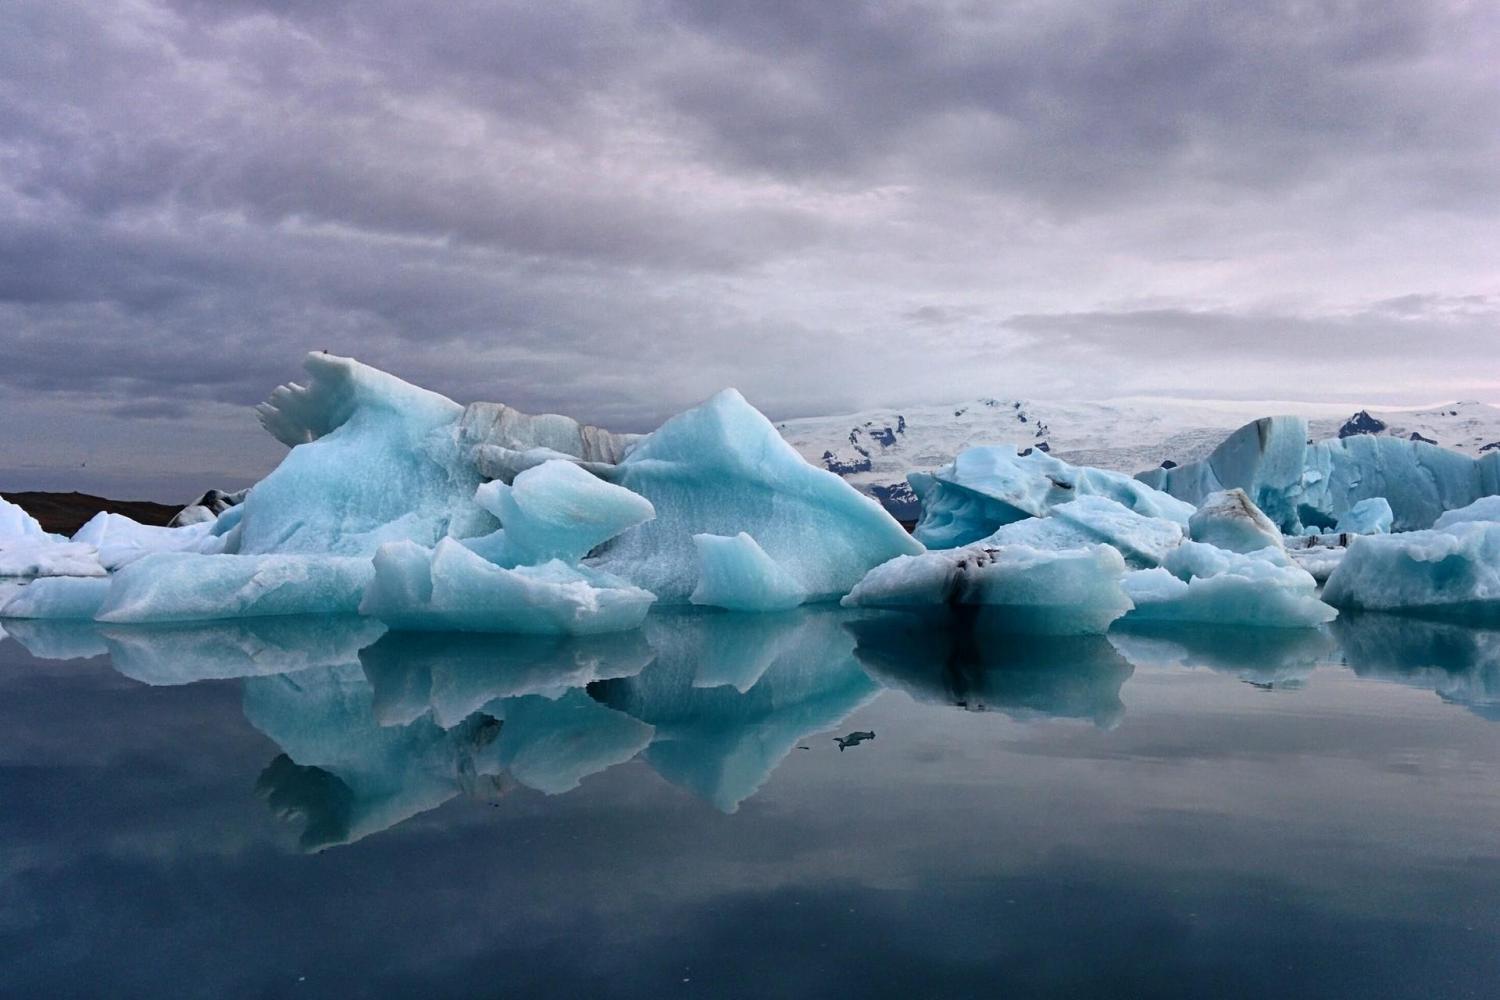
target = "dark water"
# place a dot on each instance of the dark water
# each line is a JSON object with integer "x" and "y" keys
{"x": 308, "y": 809}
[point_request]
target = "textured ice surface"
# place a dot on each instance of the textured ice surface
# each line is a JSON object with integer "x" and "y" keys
{"x": 1483, "y": 509}
{"x": 985, "y": 488}
{"x": 63, "y": 597}
{"x": 502, "y": 441}
{"x": 46, "y": 557}
{"x": 375, "y": 460}
{"x": 720, "y": 469}
{"x": 735, "y": 573}
{"x": 1142, "y": 540}
{"x": 16, "y": 525}
{"x": 120, "y": 540}
{"x": 452, "y": 587}
{"x": 1368, "y": 517}
{"x": 1319, "y": 560}
{"x": 722, "y": 742}
{"x": 1453, "y": 572}
{"x": 954, "y": 658}
{"x": 1041, "y": 591}
{"x": 1299, "y": 483}
{"x": 1201, "y": 583}
{"x": 1228, "y": 519}
{"x": 556, "y": 510}
{"x": 179, "y": 586}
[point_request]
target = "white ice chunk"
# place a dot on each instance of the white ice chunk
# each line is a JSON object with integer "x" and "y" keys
{"x": 1454, "y": 572}
{"x": 122, "y": 540}
{"x": 722, "y": 468}
{"x": 556, "y": 510}
{"x": 180, "y": 586}
{"x": 1202, "y": 583}
{"x": 451, "y": 587}
{"x": 45, "y": 557}
{"x": 1229, "y": 520}
{"x": 16, "y": 525}
{"x": 735, "y": 573}
{"x": 1044, "y": 591}
{"x": 987, "y": 487}
{"x": 1371, "y": 517}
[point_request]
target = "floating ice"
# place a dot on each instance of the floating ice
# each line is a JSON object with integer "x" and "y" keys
{"x": 1142, "y": 540}
{"x": 987, "y": 487}
{"x": 1041, "y": 591}
{"x": 452, "y": 587}
{"x": 1229, "y": 520}
{"x": 1201, "y": 583}
{"x": 180, "y": 586}
{"x": 736, "y": 573}
{"x": 722, "y": 468}
{"x": 207, "y": 507}
{"x": 1299, "y": 483}
{"x": 556, "y": 510}
{"x": 1483, "y": 509}
{"x": 120, "y": 540}
{"x": 45, "y": 557}
{"x": 17, "y": 526}
{"x": 503, "y": 442}
{"x": 1368, "y": 517}
{"x": 1452, "y": 572}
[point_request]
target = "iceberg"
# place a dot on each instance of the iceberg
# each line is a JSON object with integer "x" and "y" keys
{"x": 503, "y": 442}
{"x": 1369, "y": 517}
{"x": 121, "y": 540}
{"x": 1483, "y": 509}
{"x": 1229, "y": 520}
{"x": 1202, "y": 583}
{"x": 181, "y": 586}
{"x": 452, "y": 587}
{"x": 735, "y": 573}
{"x": 1143, "y": 541}
{"x": 207, "y": 507}
{"x": 373, "y": 460}
{"x": 1297, "y": 482}
{"x": 1450, "y": 573}
{"x": 985, "y": 488}
{"x": 722, "y": 469}
{"x": 1040, "y": 591}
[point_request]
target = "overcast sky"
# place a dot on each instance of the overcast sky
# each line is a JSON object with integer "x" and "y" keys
{"x": 614, "y": 208}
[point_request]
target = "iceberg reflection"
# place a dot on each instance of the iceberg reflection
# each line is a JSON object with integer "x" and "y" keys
{"x": 1461, "y": 664}
{"x": 958, "y": 657}
{"x": 1265, "y": 657}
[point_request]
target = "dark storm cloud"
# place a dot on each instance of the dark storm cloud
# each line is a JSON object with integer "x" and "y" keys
{"x": 613, "y": 209}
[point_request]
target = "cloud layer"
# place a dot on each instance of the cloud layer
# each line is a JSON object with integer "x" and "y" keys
{"x": 614, "y": 209}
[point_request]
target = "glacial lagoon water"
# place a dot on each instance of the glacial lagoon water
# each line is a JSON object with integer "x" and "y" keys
{"x": 308, "y": 808}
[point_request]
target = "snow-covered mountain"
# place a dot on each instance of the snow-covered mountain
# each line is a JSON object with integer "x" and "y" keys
{"x": 875, "y": 449}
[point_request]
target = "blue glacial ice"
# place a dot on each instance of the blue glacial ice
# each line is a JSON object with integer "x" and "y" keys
{"x": 1483, "y": 509}
{"x": 722, "y": 468}
{"x": 68, "y": 598}
{"x": 1202, "y": 583}
{"x": 1143, "y": 540}
{"x": 1372, "y": 516}
{"x": 984, "y": 488}
{"x": 120, "y": 540}
{"x": 555, "y": 510}
{"x": 181, "y": 586}
{"x": 1299, "y": 483}
{"x": 735, "y": 573}
{"x": 1047, "y": 591}
{"x": 1452, "y": 572}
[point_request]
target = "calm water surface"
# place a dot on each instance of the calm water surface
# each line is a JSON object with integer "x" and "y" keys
{"x": 310, "y": 808}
